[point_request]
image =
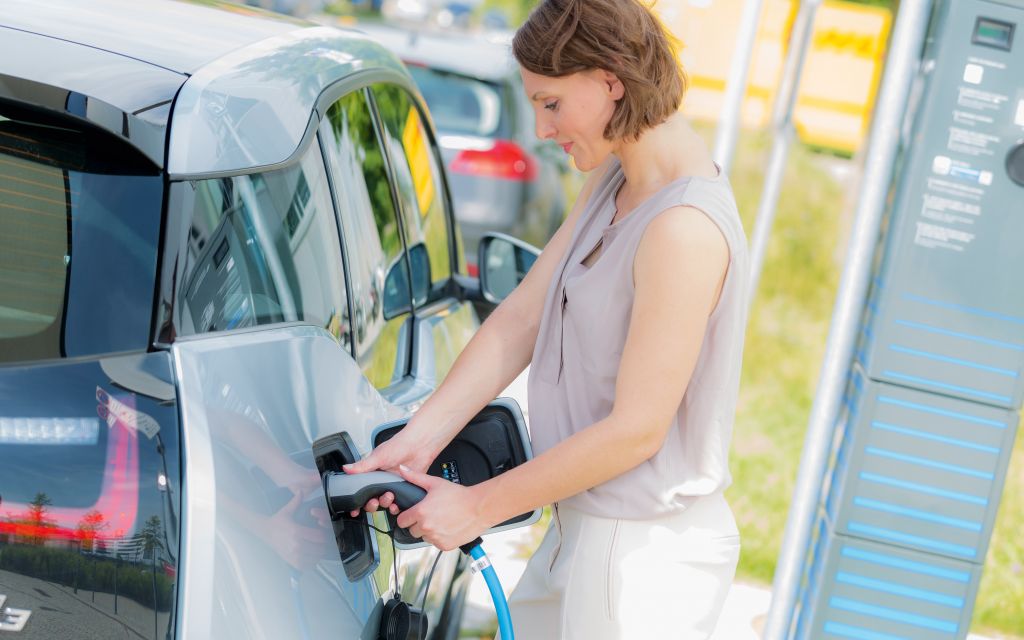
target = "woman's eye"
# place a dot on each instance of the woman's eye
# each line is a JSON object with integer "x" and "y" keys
{"x": 552, "y": 106}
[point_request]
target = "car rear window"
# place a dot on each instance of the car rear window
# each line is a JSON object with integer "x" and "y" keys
{"x": 459, "y": 104}
{"x": 90, "y": 495}
{"x": 79, "y": 226}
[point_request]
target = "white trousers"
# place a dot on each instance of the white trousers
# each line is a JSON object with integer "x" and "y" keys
{"x": 604, "y": 578}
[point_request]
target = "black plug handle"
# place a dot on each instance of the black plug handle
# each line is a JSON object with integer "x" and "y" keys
{"x": 466, "y": 548}
{"x": 349, "y": 492}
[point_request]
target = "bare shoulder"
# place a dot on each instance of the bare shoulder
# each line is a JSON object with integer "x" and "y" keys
{"x": 685, "y": 233}
{"x": 681, "y": 262}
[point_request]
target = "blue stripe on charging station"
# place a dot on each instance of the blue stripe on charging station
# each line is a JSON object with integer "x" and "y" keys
{"x": 885, "y": 613}
{"x": 856, "y": 633}
{"x": 957, "y": 361}
{"x": 923, "y": 488}
{"x": 916, "y": 514}
{"x": 941, "y": 412}
{"x": 934, "y": 437}
{"x": 920, "y": 541}
{"x": 944, "y": 385}
{"x": 899, "y": 590}
{"x": 966, "y": 309}
{"x": 958, "y": 334}
{"x": 924, "y": 462}
{"x": 906, "y": 565}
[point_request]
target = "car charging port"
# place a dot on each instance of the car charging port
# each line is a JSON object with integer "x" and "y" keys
{"x": 356, "y": 544}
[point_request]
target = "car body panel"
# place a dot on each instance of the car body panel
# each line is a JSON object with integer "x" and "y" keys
{"x": 252, "y": 403}
{"x": 118, "y": 94}
{"x": 253, "y": 107}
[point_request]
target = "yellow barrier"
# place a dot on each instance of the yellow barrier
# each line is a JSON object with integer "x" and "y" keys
{"x": 840, "y": 77}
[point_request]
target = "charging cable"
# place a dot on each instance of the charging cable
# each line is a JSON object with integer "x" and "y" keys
{"x": 349, "y": 492}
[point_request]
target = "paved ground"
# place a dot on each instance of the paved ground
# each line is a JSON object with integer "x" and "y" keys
{"x": 741, "y": 619}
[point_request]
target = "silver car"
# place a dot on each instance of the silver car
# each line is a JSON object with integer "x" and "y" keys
{"x": 228, "y": 264}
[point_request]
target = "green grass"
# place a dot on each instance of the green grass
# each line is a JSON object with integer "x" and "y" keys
{"x": 784, "y": 344}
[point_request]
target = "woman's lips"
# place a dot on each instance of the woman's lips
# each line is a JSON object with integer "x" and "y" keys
{"x": 567, "y": 146}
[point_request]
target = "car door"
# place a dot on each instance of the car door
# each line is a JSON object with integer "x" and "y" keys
{"x": 444, "y": 320}
{"x": 263, "y": 365}
{"x": 407, "y": 268}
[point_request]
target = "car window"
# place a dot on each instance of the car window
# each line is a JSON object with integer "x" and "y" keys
{"x": 378, "y": 269}
{"x": 421, "y": 192}
{"x": 262, "y": 249}
{"x": 90, "y": 497}
{"x": 459, "y": 104}
{"x": 79, "y": 226}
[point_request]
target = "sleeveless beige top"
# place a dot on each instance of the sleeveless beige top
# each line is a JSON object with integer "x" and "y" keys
{"x": 582, "y": 333}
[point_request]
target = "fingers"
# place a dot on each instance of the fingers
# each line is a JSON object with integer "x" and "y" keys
{"x": 419, "y": 479}
{"x": 386, "y": 501}
{"x": 409, "y": 519}
{"x": 369, "y": 463}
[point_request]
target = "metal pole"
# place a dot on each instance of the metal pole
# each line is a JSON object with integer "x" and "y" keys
{"x": 782, "y": 125}
{"x": 736, "y": 86}
{"x": 883, "y": 144}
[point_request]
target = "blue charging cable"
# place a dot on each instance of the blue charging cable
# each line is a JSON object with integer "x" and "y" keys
{"x": 483, "y": 564}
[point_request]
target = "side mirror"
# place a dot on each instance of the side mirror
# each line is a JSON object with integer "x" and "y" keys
{"x": 504, "y": 262}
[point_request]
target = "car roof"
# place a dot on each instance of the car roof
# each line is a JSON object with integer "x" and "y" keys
{"x": 178, "y": 36}
{"x": 483, "y": 56}
{"x": 122, "y": 64}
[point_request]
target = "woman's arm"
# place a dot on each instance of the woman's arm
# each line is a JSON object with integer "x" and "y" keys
{"x": 679, "y": 270}
{"x": 497, "y": 353}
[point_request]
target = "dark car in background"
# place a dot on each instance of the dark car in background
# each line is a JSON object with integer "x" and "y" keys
{"x": 502, "y": 177}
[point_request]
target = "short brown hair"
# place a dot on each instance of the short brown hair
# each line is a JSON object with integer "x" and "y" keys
{"x": 562, "y": 37}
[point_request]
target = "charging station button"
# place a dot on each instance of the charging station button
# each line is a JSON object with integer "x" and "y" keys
{"x": 450, "y": 472}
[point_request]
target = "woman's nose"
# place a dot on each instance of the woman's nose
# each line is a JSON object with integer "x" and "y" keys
{"x": 544, "y": 129}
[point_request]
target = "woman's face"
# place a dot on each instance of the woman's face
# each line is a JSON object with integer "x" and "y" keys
{"x": 574, "y": 110}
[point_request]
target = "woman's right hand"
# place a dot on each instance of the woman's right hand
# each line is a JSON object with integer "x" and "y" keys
{"x": 403, "y": 449}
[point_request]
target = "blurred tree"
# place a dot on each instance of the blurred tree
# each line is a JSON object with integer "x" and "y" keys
{"x": 91, "y": 524}
{"x": 515, "y": 10}
{"x": 37, "y": 511}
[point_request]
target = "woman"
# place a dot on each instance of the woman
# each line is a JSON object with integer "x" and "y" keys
{"x": 632, "y": 320}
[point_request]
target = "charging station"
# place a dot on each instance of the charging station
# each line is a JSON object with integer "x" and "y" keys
{"x": 916, "y": 454}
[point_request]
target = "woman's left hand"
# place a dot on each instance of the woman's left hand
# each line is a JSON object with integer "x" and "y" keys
{"x": 449, "y": 516}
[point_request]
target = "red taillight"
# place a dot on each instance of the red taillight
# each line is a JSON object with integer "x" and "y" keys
{"x": 474, "y": 271}
{"x": 505, "y": 160}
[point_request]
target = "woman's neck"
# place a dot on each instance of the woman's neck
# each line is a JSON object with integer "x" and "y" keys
{"x": 662, "y": 154}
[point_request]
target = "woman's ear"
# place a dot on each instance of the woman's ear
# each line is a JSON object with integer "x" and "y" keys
{"x": 613, "y": 85}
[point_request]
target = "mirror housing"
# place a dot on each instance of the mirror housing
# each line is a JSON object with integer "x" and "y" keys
{"x": 504, "y": 261}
